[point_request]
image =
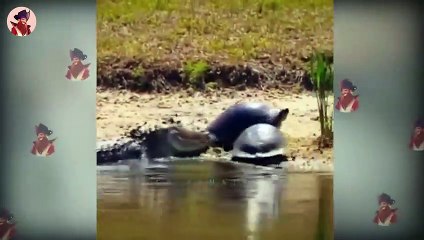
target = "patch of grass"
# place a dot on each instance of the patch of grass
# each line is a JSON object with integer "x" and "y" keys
{"x": 322, "y": 75}
{"x": 195, "y": 71}
{"x": 240, "y": 30}
{"x": 138, "y": 71}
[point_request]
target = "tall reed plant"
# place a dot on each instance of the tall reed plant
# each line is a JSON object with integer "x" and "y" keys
{"x": 322, "y": 75}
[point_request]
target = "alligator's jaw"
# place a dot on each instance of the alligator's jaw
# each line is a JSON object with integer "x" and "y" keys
{"x": 183, "y": 140}
{"x": 162, "y": 143}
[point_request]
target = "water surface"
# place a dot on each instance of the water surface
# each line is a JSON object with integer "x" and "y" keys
{"x": 202, "y": 200}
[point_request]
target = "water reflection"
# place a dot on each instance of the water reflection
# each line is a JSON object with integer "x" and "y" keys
{"x": 211, "y": 200}
{"x": 261, "y": 193}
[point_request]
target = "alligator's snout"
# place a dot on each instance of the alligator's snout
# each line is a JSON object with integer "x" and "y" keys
{"x": 187, "y": 141}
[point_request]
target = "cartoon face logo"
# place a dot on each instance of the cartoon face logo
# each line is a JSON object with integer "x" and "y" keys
{"x": 42, "y": 146}
{"x": 77, "y": 71}
{"x": 417, "y": 139}
{"x": 386, "y": 213}
{"x": 7, "y": 225}
{"x": 21, "y": 21}
{"x": 347, "y": 102}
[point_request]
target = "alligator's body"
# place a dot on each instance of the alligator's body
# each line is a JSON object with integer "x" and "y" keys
{"x": 152, "y": 145}
{"x": 116, "y": 150}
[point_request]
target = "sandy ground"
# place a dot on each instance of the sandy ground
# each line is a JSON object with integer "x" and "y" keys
{"x": 120, "y": 111}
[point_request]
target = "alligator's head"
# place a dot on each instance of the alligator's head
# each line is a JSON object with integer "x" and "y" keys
{"x": 184, "y": 140}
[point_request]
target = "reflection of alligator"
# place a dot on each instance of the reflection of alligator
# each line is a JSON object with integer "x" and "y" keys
{"x": 235, "y": 125}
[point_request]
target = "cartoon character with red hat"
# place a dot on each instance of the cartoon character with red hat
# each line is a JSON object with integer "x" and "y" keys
{"x": 7, "y": 225}
{"x": 347, "y": 101}
{"x": 386, "y": 214}
{"x": 43, "y": 147}
{"x": 21, "y": 28}
{"x": 417, "y": 139}
{"x": 77, "y": 71}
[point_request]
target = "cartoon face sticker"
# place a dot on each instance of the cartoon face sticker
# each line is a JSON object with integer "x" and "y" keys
{"x": 417, "y": 139}
{"x": 77, "y": 71}
{"x": 7, "y": 225}
{"x": 386, "y": 213}
{"x": 21, "y": 21}
{"x": 347, "y": 102}
{"x": 43, "y": 146}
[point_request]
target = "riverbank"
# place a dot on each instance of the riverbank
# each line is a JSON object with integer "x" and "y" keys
{"x": 120, "y": 111}
{"x": 163, "y": 46}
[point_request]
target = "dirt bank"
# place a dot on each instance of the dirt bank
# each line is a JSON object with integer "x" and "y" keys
{"x": 120, "y": 111}
{"x": 170, "y": 77}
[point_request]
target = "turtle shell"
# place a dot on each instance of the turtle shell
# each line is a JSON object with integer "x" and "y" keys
{"x": 225, "y": 129}
{"x": 261, "y": 144}
{"x": 260, "y": 140}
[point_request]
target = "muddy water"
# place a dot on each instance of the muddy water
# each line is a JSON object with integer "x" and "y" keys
{"x": 202, "y": 200}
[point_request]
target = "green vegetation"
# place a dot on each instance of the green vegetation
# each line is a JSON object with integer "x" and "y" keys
{"x": 322, "y": 74}
{"x": 138, "y": 71}
{"x": 224, "y": 30}
{"x": 195, "y": 72}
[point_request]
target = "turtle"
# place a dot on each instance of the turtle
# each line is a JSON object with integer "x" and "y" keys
{"x": 227, "y": 127}
{"x": 180, "y": 142}
{"x": 260, "y": 144}
{"x": 224, "y": 130}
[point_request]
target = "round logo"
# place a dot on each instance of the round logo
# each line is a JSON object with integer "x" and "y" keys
{"x": 21, "y": 21}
